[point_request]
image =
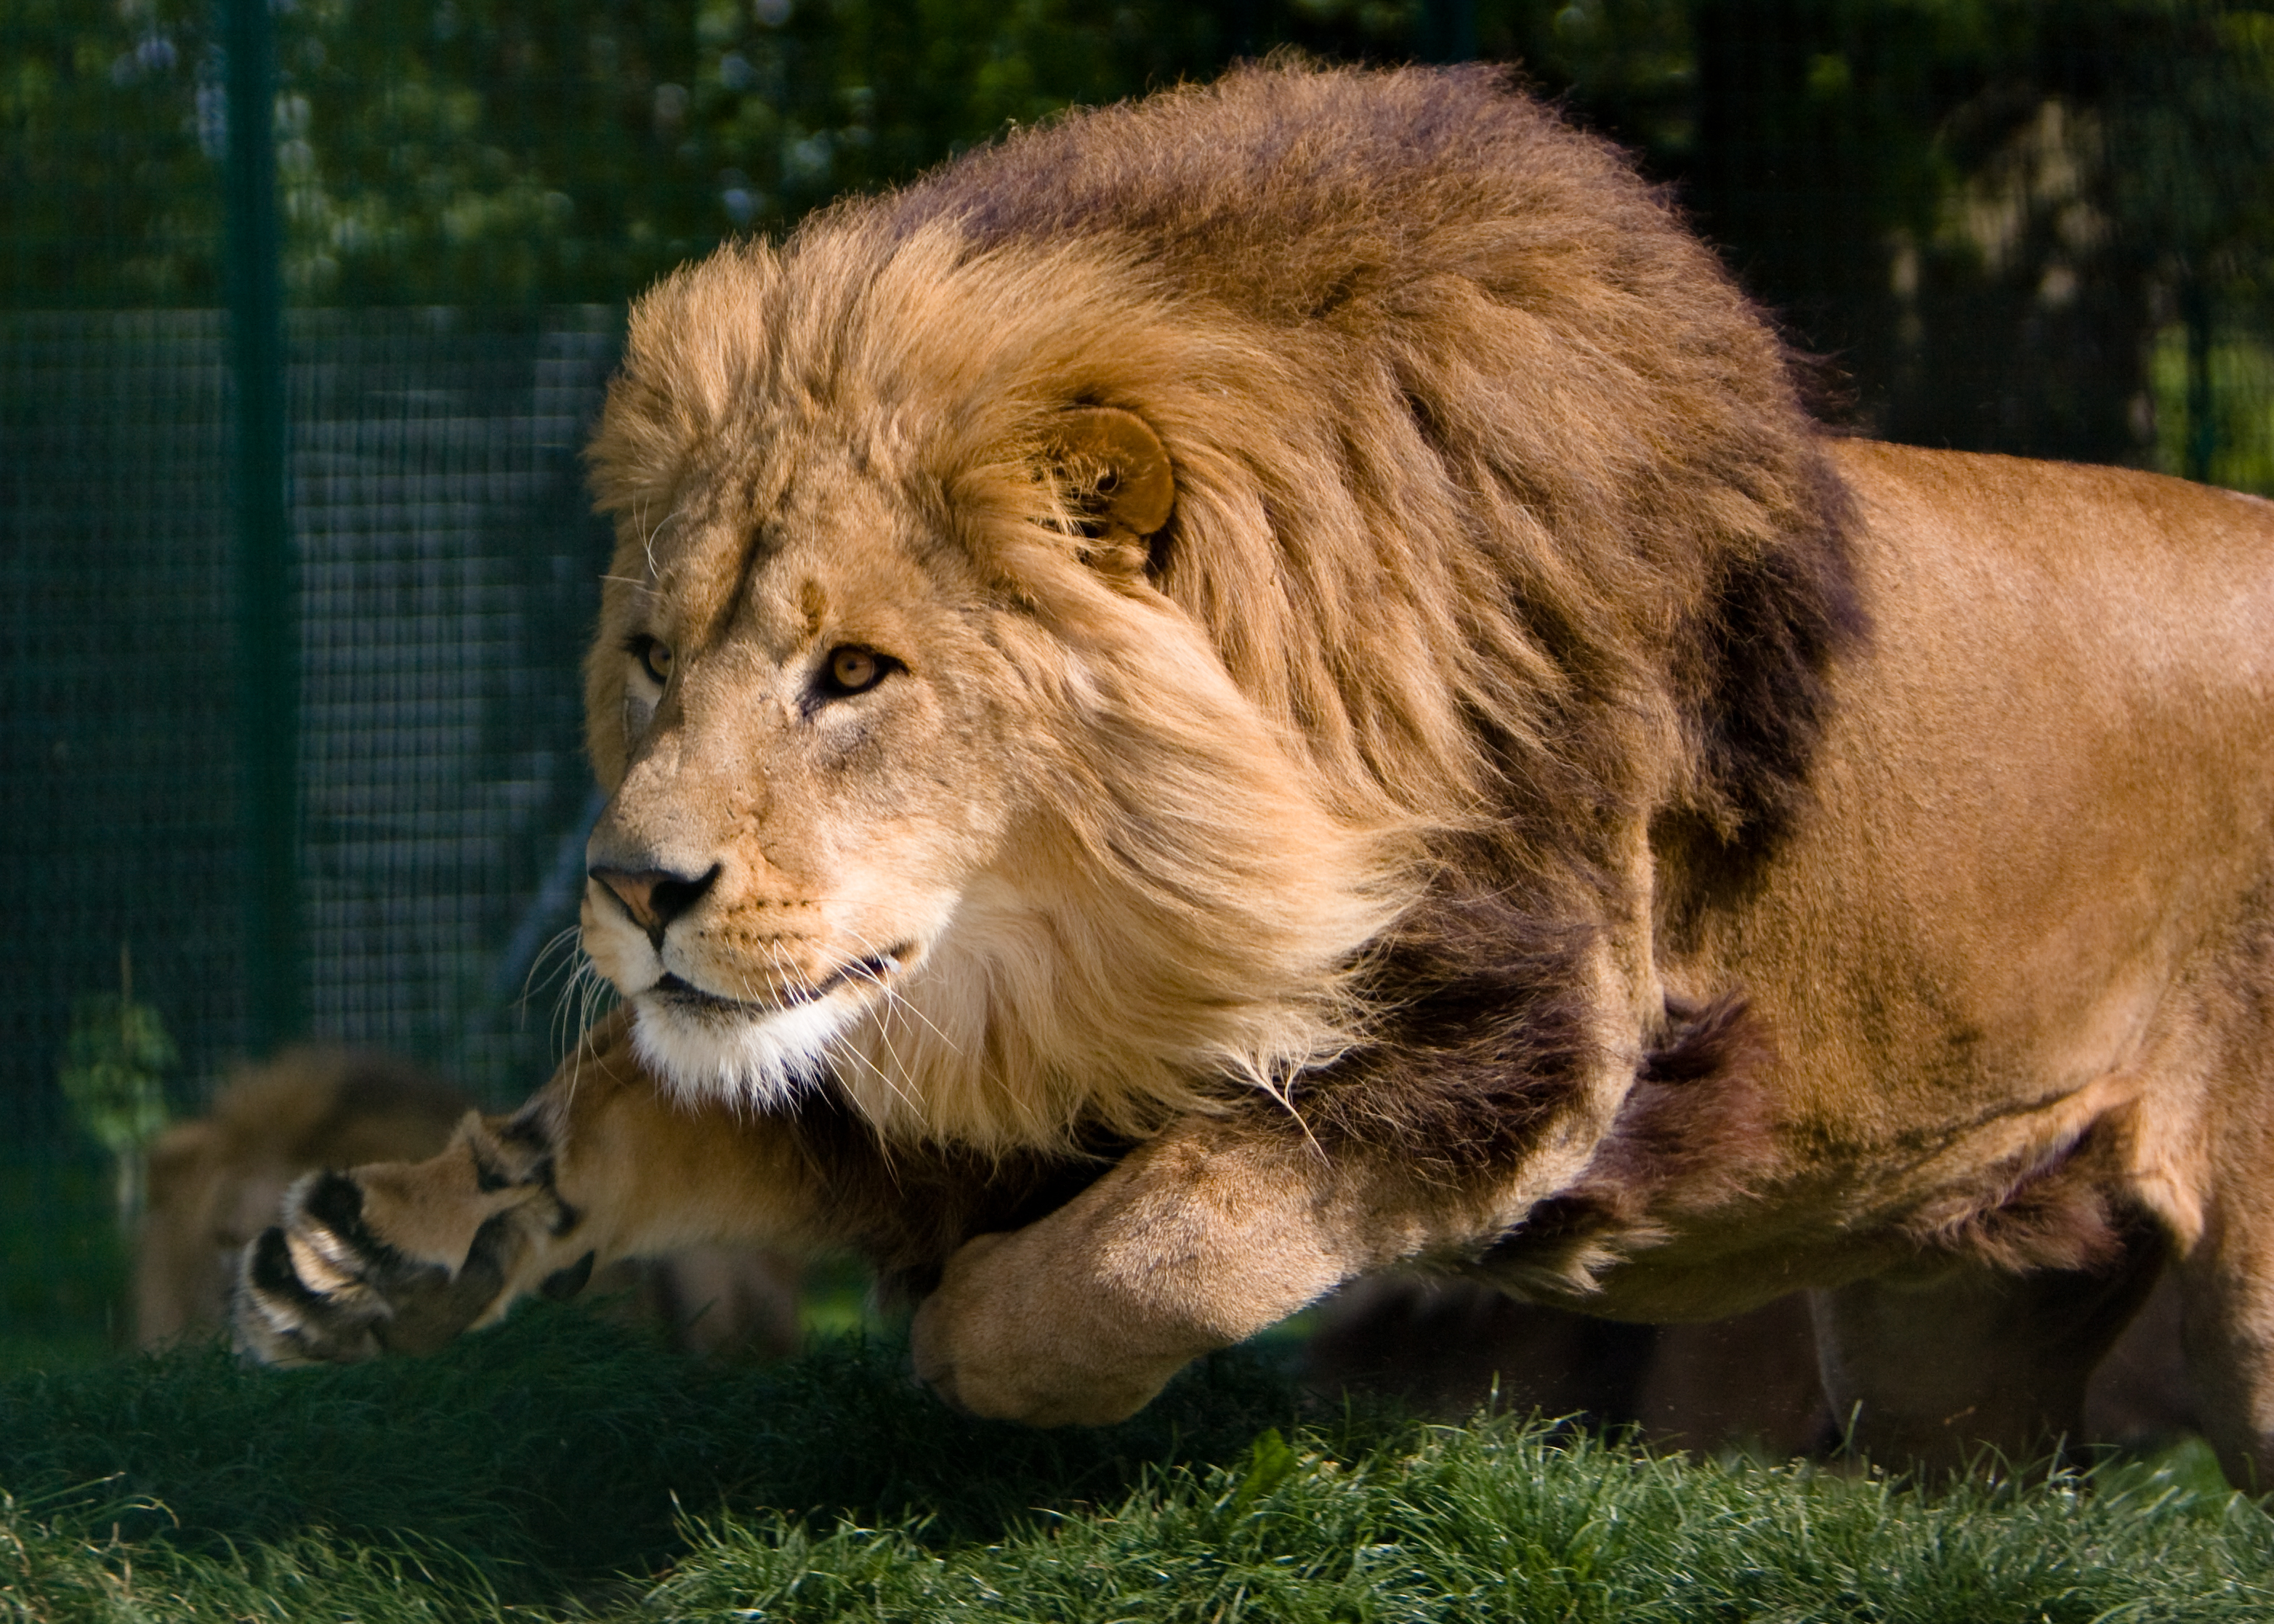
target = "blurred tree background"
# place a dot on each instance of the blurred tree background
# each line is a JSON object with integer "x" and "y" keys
{"x": 2029, "y": 225}
{"x": 2032, "y": 226}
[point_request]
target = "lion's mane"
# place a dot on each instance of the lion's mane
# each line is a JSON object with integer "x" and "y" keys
{"x": 1494, "y": 497}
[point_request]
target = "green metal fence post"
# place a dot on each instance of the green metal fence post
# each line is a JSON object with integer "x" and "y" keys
{"x": 268, "y": 646}
{"x": 2202, "y": 428}
{"x": 1448, "y": 30}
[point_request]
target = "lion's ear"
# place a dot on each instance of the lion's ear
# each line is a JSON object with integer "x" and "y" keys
{"x": 1118, "y": 477}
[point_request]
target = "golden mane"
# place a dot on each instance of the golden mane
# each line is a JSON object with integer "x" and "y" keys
{"x": 1494, "y": 497}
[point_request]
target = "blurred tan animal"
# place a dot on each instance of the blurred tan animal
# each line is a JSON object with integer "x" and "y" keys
{"x": 217, "y": 1182}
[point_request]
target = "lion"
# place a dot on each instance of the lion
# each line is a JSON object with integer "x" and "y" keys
{"x": 216, "y": 1181}
{"x": 1276, "y": 681}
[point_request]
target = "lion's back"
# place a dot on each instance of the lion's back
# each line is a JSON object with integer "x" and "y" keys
{"x": 2044, "y": 793}
{"x": 1293, "y": 195}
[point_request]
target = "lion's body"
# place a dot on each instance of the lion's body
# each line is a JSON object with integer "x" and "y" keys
{"x": 2032, "y": 898}
{"x": 1273, "y": 681}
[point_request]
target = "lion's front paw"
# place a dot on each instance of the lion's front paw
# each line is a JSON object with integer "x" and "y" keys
{"x": 1008, "y": 1338}
{"x": 323, "y": 1287}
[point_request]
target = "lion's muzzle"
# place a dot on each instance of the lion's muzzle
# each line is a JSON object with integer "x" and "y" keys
{"x": 654, "y": 897}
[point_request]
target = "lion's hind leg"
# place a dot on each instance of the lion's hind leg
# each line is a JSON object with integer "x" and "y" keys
{"x": 2226, "y": 1291}
{"x": 2226, "y": 1270}
{"x": 1980, "y": 1366}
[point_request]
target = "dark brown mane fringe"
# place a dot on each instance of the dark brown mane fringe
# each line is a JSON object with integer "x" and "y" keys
{"x": 906, "y": 1207}
{"x": 1693, "y": 1135}
{"x": 1483, "y": 1035}
{"x": 1755, "y": 673}
{"x": 1755, "y": 678}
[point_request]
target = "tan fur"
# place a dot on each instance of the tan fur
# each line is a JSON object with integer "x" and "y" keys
{"x": 1534, "y": 807}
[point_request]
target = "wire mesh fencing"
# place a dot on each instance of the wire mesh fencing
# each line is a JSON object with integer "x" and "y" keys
{"x": 444, "y": 556}
{"x": 445, "y": 560}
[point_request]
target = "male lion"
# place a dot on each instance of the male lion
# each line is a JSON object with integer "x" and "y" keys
{"x": 1272, "y": 682}
{"x": 216, "y": 1180}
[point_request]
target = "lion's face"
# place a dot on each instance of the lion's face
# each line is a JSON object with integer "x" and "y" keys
{"x": 927, "y": 771}
{"x": 821, "y": 746}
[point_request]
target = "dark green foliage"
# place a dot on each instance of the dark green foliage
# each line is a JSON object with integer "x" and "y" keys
{"x": 563, "y": 1465}
{"x": 1981, "y": 210}
{"x": 489, "y": 151}
{"x": 105, "y": 140}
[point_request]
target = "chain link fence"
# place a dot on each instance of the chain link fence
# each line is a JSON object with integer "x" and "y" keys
{"x": 444, "y": 557}
{"x": 359, "y": 813}
{"x": 443, "y": 563}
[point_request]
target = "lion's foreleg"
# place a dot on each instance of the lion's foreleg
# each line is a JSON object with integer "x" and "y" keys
{"x": 1199, "y": 1238}
{"x": 597, "y": 1165}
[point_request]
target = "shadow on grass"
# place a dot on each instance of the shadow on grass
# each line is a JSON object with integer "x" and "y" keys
{"x": 562, "y": 1447}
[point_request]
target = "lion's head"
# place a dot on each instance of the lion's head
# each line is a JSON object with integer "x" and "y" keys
{"x": 1062, "y": 613}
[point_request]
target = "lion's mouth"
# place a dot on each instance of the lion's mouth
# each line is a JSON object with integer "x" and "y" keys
{"x": 874, "y": 971}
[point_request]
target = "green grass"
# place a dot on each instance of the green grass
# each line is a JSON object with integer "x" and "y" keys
{"x": 565, "y": 1467}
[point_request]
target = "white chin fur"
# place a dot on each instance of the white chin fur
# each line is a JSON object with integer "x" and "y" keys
{"x": 758, "y": 1063}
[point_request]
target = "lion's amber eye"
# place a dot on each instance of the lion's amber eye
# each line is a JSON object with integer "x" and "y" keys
{"x": 852, "y": 670}
{"x": 654, "y": 658}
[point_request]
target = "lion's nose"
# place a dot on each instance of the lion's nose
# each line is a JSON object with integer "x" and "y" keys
{"x": 654, "y": 897}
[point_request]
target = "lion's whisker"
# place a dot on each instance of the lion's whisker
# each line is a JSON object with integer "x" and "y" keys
{"x": 894, "y": 998}
{"x": 561, "y": 942}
